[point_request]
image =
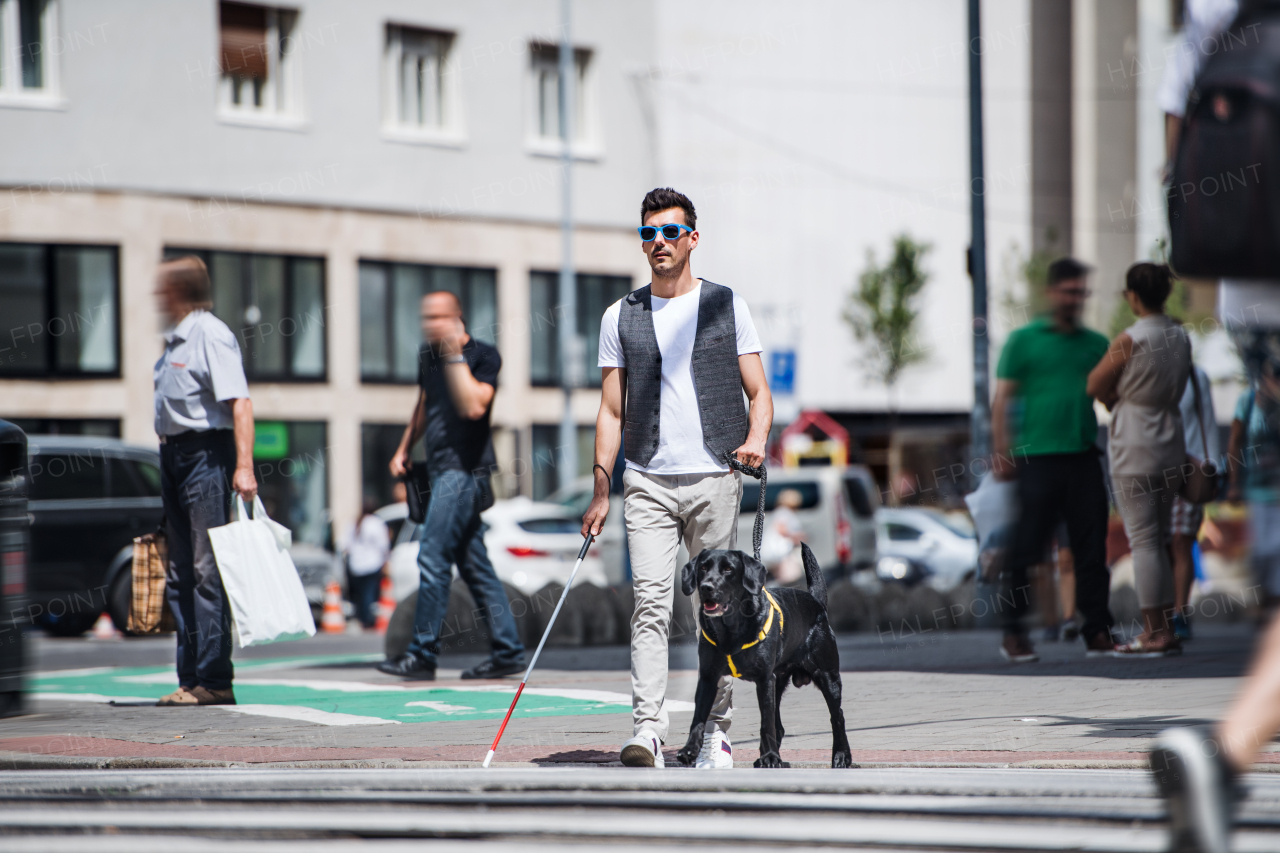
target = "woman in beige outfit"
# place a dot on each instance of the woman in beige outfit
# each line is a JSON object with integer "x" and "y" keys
{"x": 1141, "y": 380}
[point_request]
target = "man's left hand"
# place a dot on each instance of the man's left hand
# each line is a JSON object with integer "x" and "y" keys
{"x": 751, "y": 453}
{"x": 245, "y": 484}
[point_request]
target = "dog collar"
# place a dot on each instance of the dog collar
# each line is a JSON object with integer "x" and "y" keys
{"x": 764, "y": 632}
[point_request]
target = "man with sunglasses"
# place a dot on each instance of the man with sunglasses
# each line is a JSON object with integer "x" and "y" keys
{"x": 676, "y": 357}
{"x": 1055, "y": 458}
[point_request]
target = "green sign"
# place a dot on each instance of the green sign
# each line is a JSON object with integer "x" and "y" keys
{"x": 270, "y": 440}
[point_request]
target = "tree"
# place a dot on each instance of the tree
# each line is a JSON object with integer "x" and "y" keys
{"x": 881, "y": 312}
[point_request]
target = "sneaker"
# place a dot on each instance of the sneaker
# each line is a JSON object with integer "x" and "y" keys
{"x": 716, "y": 752}
{"x": 1100, "y": 645}
{"x": 490, "y": 669}
{"x": 1070, "y": 630}
{"x": 409, "y": 665}
{"x": 1051, "y": 634}
{"x": 1181, "y": 626}
{"x": 1017, "y": 648}
{"x": 643, "y": 750}
{"x": 1199, "y": 789}
{"x": 205, "y": 696}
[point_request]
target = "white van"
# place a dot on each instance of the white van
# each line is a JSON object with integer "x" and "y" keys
{"x": 837, "y": 512}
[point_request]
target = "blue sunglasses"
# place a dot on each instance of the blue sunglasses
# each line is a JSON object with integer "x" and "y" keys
{"x": 649, "y": 233}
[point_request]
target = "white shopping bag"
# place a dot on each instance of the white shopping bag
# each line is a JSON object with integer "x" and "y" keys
{"x": 994, "y": 507}
{"x": 268, "y": 603}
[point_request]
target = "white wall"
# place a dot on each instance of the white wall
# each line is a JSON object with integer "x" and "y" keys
{"x": 140, "y": 77}
{"x": 807, "y": 135}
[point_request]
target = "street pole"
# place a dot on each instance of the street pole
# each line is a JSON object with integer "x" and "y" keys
{"x": 570, "y": 344}
{"x": 980, "y": 421}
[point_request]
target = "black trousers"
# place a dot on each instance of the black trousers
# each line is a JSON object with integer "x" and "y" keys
{"x": 195, "y": 479}
{"x": 1060, "y": 487}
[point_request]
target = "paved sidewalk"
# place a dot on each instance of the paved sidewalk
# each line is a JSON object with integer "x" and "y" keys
{"x": 932, "y": 698}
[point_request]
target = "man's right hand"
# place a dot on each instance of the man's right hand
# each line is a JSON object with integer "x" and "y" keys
{"x": 593, "y": 521}
{"x": 400, "y": 463}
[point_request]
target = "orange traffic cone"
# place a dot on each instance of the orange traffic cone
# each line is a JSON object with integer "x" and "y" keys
{"x": 333, "y": 621}
{"x": 105, "y": 629}
{"x": 386, "y": 606}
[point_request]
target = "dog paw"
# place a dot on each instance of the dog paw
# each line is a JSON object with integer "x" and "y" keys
{"x": 687, "y": 756}
{"x": 770, "y": 759}
{"x": 842, "y": 760}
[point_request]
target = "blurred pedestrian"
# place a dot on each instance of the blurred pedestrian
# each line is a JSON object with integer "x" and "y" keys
{"x": 367, "y": 545}
{"x": 676, "y": 356}
{"x": 783, "y": 533}
{"x": 458, "y": 377}
{"x": 204, "y": 418}
{"x": 1141, "y": 379}
{"x": 1200, "y": 431}
{"x": 1054, "y": 456}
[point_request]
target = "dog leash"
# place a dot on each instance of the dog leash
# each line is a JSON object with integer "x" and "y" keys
{"x": 757, "y": 533}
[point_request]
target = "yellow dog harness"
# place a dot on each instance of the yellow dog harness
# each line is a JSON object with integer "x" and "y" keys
{"x": 764, "y": 632}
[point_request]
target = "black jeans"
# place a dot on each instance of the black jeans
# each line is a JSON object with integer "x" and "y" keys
{"x": 195, "y": 480}
{"x": 362, "y": 590}
{"x": 1053, "y": 487}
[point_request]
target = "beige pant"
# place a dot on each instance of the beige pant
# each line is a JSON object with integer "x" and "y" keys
{"x": 661, "y": 511}
{"x": 1146, "y": 505}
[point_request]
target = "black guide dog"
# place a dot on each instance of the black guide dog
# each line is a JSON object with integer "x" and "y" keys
{"x": 766, "y": 637}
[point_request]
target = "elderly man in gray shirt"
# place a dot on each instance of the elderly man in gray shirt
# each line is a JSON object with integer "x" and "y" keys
{"x": 205, "y": 422}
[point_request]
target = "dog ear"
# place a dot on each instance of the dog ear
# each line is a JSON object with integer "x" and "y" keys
{"x": 754, "y": 574}
{"x": 688, "y": 576}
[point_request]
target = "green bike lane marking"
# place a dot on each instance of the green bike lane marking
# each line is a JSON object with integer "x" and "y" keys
{"x": 333, "y": 702}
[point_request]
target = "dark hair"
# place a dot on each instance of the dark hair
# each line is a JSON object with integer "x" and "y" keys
{"x": 1066, "y": 269}
{"x": 1152, "y": 282}
{"x": 665, "y": 198}
{"x": 456, "y": 300}
{"x": 190, "y": 278}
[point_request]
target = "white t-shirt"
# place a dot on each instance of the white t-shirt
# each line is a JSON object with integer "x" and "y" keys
{"x": 368, "y": 546}
{"x": 681, "y": 449}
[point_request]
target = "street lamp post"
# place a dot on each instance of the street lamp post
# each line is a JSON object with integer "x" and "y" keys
{"x": 570, "y": 343}
{"x": 980, "y": 422}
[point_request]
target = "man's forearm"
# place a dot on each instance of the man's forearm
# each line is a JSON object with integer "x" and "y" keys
{"x": 760, "y": 417}
{"x": 242, "y": 422}
{"x": 608, "y": 439}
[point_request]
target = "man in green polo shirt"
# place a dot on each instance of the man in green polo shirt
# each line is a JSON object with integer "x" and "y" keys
{"x": 1045, "y": 436}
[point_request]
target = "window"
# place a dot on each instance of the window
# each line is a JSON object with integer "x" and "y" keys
{"x": 291, "y": 461}
{"x": 390, "y": 328}
{"x": 902, "y": 532}
{"x": 422, "y": 99}
{"x": 69, "y": 476}
{"x": 28, "y": 67}
{"x": 258, "y": 61}
{"x": 59, "y": 306}
{"x": 808, "y": 489}
{"x": 545, "y": 134}
{"x": 275, "y": 305}
{"x": 546, "y": 457}
{"x": 106, "y": 427}
{"x": 595, "y": 294}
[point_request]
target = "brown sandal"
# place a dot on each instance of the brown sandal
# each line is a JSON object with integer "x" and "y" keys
{"x": 1144, "y": 646}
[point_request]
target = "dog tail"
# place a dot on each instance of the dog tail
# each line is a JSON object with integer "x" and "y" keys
{"x": 813, "y": 574}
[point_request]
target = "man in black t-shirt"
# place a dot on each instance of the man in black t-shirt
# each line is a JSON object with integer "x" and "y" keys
{"x": 458, "y": 376}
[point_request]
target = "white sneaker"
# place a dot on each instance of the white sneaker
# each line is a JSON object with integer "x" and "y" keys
{"x": 716, "y": 752}
{"x": 643, "y": 750}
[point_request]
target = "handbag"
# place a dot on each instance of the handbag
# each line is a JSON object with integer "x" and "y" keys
{"x": 1203, "y": 480}
{"x": 268, "y": 603}
{"x": 148, "y": 610}
{"x": 417, "y": 492}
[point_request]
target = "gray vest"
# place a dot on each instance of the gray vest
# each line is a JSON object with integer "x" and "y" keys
{"x": 716, "y": 377}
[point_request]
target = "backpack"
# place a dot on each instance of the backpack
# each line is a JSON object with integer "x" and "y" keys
{"x": 1224, "y": 194}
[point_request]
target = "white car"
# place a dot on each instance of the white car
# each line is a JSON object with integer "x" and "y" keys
{"x": 944, "y": 545}
{"x": 530, "y": 544}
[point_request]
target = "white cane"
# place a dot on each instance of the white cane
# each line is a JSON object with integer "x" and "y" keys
{"x": 547, "y": 633}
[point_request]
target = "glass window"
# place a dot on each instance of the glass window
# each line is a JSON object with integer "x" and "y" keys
{"x": 275, "y": 305}
{"x": 595, "y": 294}
{"x": 107, "y": 427}
{"x": 902, "y": 532}
{"x": 544, "y": 466}
{"x": 122, "y": 480}
{"x": 390, "y": 308}
{"x": 150, "y": 475}
{"x": 809, "y": 495}
{"x": 545, "y": 70}
{"x": 292, "y": 477}
{"x": 69, "y": 476}
{"x": 258, "y": 65}
{"x": 59, "y": 305}
{"x": 419, "y": 61}
{"x": 28, "y": 47}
